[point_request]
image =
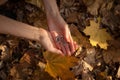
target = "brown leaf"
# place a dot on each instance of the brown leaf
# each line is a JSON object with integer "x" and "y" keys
{"x": 113, "y": 52}
{"x": 72, "y": 18}
{"x": 58, "y": 65}
{"x": 40, "y": 74}
{"x": 5, "y": 53}
{"x": 78, "y": 37}
{"x": 29, "y": 58}
{"x": 93, "y": 5}
{"x": 37, "y": 3}
{"x": 28, "y": 67}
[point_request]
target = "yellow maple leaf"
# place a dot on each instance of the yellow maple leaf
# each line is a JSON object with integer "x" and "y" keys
{"x": 97, "y": 35}
{"x": 58, "y": 65}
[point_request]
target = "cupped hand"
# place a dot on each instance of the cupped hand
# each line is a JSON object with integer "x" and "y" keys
{"x": 47, "y": 42}
{"x": 61, "y": 34}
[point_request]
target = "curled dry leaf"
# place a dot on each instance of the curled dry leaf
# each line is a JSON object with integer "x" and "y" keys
{"x": 5, "y": 53}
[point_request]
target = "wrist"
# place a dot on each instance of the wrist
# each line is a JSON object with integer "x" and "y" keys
{"x": 58, "y": 21}
{"x": 39, "y": 34}
{"x": 53, "y": 15}
{"x": 51, "y": 8}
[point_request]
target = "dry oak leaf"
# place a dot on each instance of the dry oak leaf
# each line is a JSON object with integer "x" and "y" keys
{"x": 97, "y": 35}
{"x": 59, "y": 66}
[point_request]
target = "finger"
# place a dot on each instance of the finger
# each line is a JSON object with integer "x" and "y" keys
{"x": 58, "y": 45}
{"x": 69, "y": 39}
{"x": 63, "y": 49}
{"x": 71, "y": 44}
{"x": 67, "y": 48}
{"x": 75, "y": 45}
{"x": 54, "y": 34}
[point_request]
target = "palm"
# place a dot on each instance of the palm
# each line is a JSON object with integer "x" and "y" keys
{"x": 60, "y": 28}
{"x": 47, "y": 41}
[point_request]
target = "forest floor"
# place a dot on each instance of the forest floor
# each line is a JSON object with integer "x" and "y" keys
{"x": 22, "y": 59}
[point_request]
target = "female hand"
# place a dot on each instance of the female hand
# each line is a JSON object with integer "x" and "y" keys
{"x": 58, "y": 28}
{"x": 61, "y": 35}
{"x": 47, "y": 42}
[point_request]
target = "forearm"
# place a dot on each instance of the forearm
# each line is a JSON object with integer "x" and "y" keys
{"x": 52, "y": 12}
{"x": 9, "y": 26}
{"x": 51, "y": 8}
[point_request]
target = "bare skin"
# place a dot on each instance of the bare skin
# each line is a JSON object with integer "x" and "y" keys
{"x": 9, "y": 26}
{"x": 57, "y": 27}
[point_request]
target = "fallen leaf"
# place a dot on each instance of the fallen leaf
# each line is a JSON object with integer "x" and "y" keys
{"x": 59, "y": 66}
{"x": 79, "y": 50}
{"x": 87, "y": 65}
{"x": 97, "y": 35}
{"x": 93, "y": 5}
{"x": 5, "y": 53}
{"x": 72, "y": 18}
{"x": 16, "y": 72}
{"x": 78, "y": 37}
{"x": 3, "y": 75}
{"x": 118, "y": 73}
{"x": 86, "y": 75}
{"x": 113, "y": 52}
{"x": 102, "y": 75}
{"x": 41, "y": 65}
{"x": 90, "y": 57}
{"x": 29, "y": 67}
{"x": 88, "y": 2}
{"x": 37, "y": 3}
{"x": 40, "y": 74}
{"x": 29, "y": 58}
